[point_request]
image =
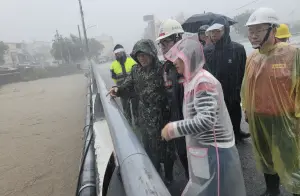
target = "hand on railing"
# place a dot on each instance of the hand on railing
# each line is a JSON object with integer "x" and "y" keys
{"x": 113, "y": 91}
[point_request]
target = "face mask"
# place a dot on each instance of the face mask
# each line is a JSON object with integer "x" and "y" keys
{"x": 121, "y": 59}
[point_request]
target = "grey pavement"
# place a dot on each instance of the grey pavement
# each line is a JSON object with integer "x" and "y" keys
{"x": 253, "y": 179}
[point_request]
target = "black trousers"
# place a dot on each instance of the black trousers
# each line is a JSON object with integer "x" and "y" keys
{"x": 273, "y": 183}
{"x": 180, "y": 145}
{"x": 235, "y": 113}
{"x": 126, "y": 108}
{"x": 181, "y": 151}
{"x": 160, "y": 152}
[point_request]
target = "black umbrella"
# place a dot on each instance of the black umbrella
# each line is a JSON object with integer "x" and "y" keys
{"x": 193, "y": 23}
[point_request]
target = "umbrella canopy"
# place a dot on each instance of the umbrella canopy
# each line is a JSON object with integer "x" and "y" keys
{"x": 193, "y": 23}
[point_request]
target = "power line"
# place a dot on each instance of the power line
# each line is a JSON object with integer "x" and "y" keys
{"x": 292, "y": 12}
{"x": 245, "y": 5}
{"x": 83, "y": 26}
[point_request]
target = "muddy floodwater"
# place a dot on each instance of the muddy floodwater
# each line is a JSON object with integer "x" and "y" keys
{"x": 41, "y": 136}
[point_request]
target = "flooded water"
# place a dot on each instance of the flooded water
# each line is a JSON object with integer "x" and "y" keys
{"x": 41, "y": 136}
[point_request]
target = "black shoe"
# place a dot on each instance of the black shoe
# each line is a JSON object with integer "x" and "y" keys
{"x": 267, "y": 193}
{"x": 239, "y": 140}
{"x": 239, "y": 137}
{"x": 244, "y": 135}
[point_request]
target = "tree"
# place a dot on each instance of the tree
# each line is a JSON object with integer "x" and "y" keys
{"x": 71, "y": 49}
{"x": 95, "y": 48}
{"x": 76, "y": 49}
{"x": 3, "y": 49}
{"x": 59, "y": 48}
{"x": 67, "y": 49}
{"x": 242, "y": 19}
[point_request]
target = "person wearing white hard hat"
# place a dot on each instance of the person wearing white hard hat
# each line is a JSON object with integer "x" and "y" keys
{"x": 271, "y": 101}
{"x": 170, "y": 33}
{"x": 226, "y": 61}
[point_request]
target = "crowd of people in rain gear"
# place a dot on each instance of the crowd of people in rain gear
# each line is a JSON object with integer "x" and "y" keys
{"x": 190, "y": 104}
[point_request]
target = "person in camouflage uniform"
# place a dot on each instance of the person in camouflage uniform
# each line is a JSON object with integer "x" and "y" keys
{"x": 146, "y": 80}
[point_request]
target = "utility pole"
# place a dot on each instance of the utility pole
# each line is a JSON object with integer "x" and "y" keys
{"x": 83, "y": 27}
{"x": 79, "y": 33}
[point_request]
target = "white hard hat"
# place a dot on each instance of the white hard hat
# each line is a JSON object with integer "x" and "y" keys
{"x": 262, "y": 16}
{"x": 169, "y": 27}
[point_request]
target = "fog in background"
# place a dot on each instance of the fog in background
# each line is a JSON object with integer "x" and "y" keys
{"x": 30, "y": 20}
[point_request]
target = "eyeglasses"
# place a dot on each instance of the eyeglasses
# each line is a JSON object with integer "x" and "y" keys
{"x": 257, "y": 32}
{"x": 164, "y": 42}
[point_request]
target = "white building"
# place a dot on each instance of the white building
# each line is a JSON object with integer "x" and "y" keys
{"x": 16, "y": 54}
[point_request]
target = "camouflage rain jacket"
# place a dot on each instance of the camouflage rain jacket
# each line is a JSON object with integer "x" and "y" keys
{"x": 148, "y": 84}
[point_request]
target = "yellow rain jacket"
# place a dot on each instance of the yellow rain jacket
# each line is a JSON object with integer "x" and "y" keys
{"x": 119, "y": 73}
{"x": 271, "y": 98}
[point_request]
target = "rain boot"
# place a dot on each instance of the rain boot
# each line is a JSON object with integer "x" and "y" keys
{"x": 272, "y": 184}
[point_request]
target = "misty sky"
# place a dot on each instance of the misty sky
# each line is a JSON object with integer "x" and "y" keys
{"x": 38, "y": 19}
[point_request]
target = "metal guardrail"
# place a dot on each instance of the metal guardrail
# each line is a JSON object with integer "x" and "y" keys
{"x": 138, "y": 175}
{"x": 87, "y": 177}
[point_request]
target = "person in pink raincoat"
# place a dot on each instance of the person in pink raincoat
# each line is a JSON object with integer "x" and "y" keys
{"x": 214, "y": 163}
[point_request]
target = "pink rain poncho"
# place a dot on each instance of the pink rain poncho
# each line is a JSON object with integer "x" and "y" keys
{"x": 214, "y": 163}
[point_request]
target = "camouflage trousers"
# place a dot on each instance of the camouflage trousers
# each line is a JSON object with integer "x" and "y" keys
{"x": 158, "y": 150}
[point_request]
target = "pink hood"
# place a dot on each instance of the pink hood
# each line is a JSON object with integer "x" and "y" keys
{"x": 190, "y": 51}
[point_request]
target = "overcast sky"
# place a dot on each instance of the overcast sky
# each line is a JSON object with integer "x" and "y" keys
{"x": 123, "y": 19}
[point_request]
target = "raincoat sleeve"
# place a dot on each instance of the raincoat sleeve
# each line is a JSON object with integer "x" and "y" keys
{"x": 296, "y": 83}
{"x": 127, "y": 86}
{"x": 243, "y": 104}
{"x": 205, "y": 104}
{"x": 243, "y": 100}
